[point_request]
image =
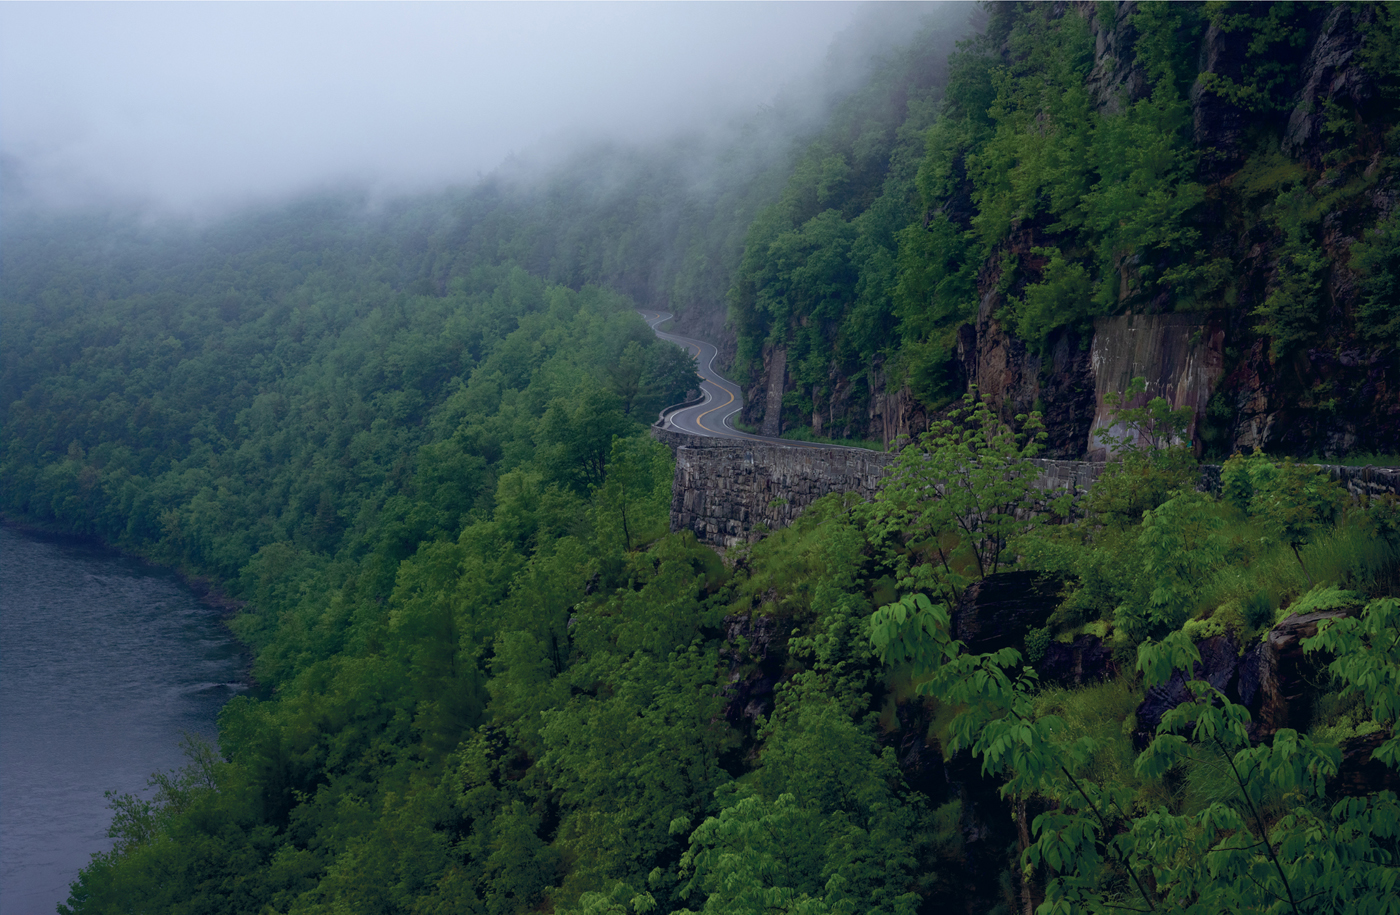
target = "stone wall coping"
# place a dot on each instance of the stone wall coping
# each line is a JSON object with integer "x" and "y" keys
{"x": 1377, "y": 478}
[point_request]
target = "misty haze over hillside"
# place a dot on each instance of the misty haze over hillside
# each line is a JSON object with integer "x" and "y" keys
{"x": 197, "y": 108}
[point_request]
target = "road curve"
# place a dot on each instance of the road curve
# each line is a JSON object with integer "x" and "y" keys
{"x": 713, "y": 416}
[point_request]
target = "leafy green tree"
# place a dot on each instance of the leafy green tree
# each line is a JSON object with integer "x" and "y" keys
{"x": 1147, "y": 430}
{"x": 1294, "y": 503}
{"x": 955, "y": 496}
{"x": 576, "y": 435}
{"x": 1273, "y": 843}
{"x": 1149, "y": 457}
{"x": 1271, "y": 35}
{"x": 822, "y": 827}
{"x": 635, "y": 499}
{"x": 1181, "y": 543}
{"x": 1289, "y": 313}
{"x": 1366, "y": 660}
{"x": 1377, "y": 258}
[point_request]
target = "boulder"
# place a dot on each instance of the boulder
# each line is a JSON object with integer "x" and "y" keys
{"x": 1360, "y": 775}
{"x": 1085, "y": 660}
{"x": 1273, "y": 679}
{"x": 1219, "y": 666}
{"x": 999, "y": 610}
{"x": 1283, "y": 674}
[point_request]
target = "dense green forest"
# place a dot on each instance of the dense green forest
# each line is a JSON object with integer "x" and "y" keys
{"x": 409, "y": 440}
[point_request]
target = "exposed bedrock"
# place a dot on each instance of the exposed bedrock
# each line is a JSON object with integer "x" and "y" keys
{"x": 1274, "y": 679}
{"x": 1181, "y": 357}
{"x": 997, "y": 611}
{"x": 1333, "y": 390}
{"x": 756, "y": 653}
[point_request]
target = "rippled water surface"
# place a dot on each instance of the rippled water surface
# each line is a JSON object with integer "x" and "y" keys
{"x": 104, "y": 664}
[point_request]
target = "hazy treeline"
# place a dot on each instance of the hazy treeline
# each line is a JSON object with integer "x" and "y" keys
{"x": 276, "y": 382}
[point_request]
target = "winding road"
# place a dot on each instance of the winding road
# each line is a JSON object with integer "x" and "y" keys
{"x": 713, "y": 416}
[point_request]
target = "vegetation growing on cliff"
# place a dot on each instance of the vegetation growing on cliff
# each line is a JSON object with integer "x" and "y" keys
{"x": 534, "y": 712}
{"x": 1239, "y": 799}
{"x": 1086, "y": 161}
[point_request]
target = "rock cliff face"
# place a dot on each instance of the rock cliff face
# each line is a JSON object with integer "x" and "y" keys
{"x": 1116, "y": 80}
{"x": 1060, "y": 385}
{"x": 773, "y": 395}
{"x": 1180, "y": 355}
{"x": 1342, "y": 393}
{"x": 1273, "y": 679}
{"x": 1339, "y": 393}
{"x": 1331, "y": 75}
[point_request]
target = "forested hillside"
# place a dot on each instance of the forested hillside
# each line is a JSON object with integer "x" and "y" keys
{"x": 407, "y": 439}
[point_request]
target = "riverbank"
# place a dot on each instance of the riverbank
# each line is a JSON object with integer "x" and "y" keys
{"x": 109, "y": 663}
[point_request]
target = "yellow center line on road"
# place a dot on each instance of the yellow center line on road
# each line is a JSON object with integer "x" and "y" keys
{"x": 708, "y": 412}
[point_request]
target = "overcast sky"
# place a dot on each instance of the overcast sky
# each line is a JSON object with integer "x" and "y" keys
{"x": 193, "y": 105}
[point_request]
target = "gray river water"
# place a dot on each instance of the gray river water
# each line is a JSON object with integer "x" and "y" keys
{"x": 105, "y": 663}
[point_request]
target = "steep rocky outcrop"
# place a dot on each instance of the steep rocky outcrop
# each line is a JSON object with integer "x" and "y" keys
{"x": 892, "y": 413}
{"x": 1009, "y": 375}
{"x": 1338, "y": 392}
{"x": 756, "y": 654}
{"x": 1181, "y": 356}
{"x": 1085, "y": 659}
{"x": 1331, "y": 76}
{"x": 775, "y": 365}
{"x": 1339, "y": 396}
{"x": 1342, "y": 393}
{"x": 1284, "y": 674}
{"x": 1218, "y": 124}
{"x": 1274, "y": 679}
{"x": 1116, "y": 80}
{"x": 1219, "y": 666}
{"x": 1360, "y": 775}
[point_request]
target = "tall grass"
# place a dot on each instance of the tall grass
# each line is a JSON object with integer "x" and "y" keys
{"x": 1264, "y": 578}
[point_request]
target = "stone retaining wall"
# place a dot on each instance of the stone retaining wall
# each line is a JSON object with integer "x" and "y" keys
{"x": 729, "y": 491}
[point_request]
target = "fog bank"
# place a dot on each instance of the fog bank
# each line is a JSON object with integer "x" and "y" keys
{"x": 198, "y": 107}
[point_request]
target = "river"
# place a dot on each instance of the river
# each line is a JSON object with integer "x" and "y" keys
{"x": 105, "y": 663}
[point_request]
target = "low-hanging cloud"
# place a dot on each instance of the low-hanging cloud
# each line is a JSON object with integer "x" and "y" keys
{"x": 190, "y": 106}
